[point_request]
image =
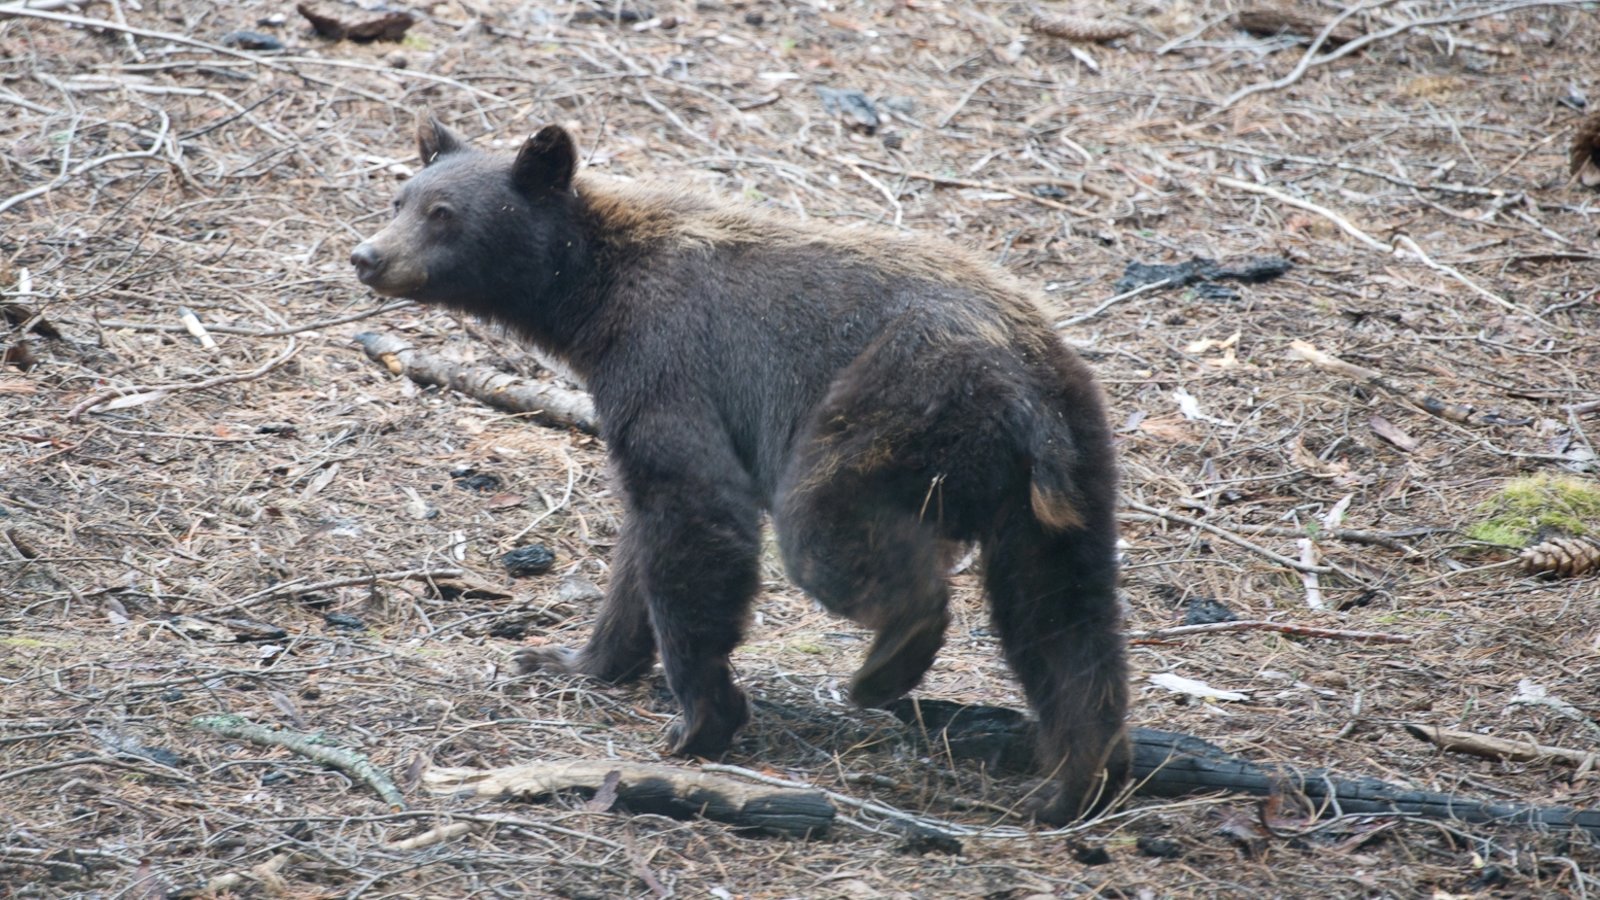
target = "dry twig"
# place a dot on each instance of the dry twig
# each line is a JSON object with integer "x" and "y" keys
{"x": 1311, "y": 631}
{"x": 1226, "y": 535}
{"x": 148, "y": 393}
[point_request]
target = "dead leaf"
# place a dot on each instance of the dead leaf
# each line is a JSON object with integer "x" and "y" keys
{"x": 1167, "y": 428}
{"x": 506, "y": 501}
{"x": 1393, "y": 433}
{"x": 606, "y": 796}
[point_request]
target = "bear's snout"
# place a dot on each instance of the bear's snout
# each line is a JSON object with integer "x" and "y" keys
{"x": 368, "y": 262}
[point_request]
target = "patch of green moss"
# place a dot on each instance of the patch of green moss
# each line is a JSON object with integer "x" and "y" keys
{"x": 19, "y": 641}
{"x": 1524, "y": 507}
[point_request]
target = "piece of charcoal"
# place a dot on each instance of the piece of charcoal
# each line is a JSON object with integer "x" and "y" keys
{"x": 534, "y": 559}
{"x": 250, "y": 40}
{"x": 611, "y": 14}
{"x": 482, "y": 483}
{"x": 1159, "y": 847}
{"x": 1254, "y": 270}
{"x": 1207, "y": 611}
{"x": 344, "y": 621}
{"x": 1090, "y": 855}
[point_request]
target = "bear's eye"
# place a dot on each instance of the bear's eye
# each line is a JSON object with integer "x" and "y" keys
{"x": 441, "y": 213}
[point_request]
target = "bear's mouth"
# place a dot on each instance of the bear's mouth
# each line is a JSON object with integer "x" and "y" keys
{"x": 386, "y": 286}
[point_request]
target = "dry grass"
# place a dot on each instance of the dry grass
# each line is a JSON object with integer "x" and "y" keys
{"x": 236, "y": 189}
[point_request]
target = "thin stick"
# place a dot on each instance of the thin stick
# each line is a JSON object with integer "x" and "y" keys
{"x": 1455, "y": 412}
{"x": 1403, "y": 245}
{"x": 164, "y": 389}
{"x": 1311, "y": 59}
{"x": 296, "y": 587}
{"x": 1338, "y": 634}
{"x": 968, "y": 183}
{"x": 1344, "y": 224}
{"x": 1226, "y": 535}
{"x": 1499, "y": 748}
{"x": 156, "y": 147}
{"x": 257, "y": 332}
{"x": 87, "y": 22}
{"x": 1107, "y": 304}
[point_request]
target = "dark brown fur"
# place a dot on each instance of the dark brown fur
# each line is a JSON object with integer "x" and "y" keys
{"x": 881, "y": 395}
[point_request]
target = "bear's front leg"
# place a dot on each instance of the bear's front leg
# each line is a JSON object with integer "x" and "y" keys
{"x": 694, "y": 532}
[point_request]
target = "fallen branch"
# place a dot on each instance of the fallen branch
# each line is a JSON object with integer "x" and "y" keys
{"x": 1455, "y": 412}
{"x": 1340, "y": 634}
{"x": 674, "y": 791}
{"x": 1108, "y": 303}
{"x": 546, "y": 404}
{"x": 1500, "y": 748}
{"x": 265, "y": 874}
{"x": 150, "y": 393}
{"x": 347, "y": 761}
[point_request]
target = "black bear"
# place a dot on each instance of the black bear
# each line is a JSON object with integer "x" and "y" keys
{"x": 884, "y": 397}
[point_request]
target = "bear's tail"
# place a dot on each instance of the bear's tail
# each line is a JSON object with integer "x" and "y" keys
{"x": 1055, "y": 493}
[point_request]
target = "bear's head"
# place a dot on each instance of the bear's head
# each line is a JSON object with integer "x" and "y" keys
{"x": 477, "y": 231}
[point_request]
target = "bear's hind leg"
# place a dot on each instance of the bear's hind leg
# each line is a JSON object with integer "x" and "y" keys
{"x": 848, "y": 542}
{"x": 1053, "y": 600}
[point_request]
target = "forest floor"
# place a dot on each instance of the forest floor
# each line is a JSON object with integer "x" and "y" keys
{"x": 277, "y": 528}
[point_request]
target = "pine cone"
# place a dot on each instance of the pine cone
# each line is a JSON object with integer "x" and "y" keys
{"x": 1562, "y": 556}
{"x": 1084, "y": 31}
{"x": 1583, "y": 157}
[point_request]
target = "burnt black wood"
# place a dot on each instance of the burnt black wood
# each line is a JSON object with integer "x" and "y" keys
{"x": 1171, "y": 764}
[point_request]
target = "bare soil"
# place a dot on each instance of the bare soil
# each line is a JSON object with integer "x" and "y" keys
{"x": 1418, "y": 183}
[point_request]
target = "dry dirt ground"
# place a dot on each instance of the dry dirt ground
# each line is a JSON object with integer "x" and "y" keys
{"x": 154, "y": 491}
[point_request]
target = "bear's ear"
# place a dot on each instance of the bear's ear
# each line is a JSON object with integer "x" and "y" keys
{"x": 434, "y": 140}
{"x": 546, "y": 162}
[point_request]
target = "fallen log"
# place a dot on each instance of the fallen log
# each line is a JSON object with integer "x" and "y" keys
{"x": 545, "y": 404}
{"x": 1170, "y": 764}
{"x": 673, "y": 791}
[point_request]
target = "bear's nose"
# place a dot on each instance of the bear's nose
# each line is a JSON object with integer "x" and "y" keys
{"x": 367, "y": 261}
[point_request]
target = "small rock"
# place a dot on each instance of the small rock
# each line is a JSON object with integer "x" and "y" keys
{"x": 576, "y": 588}
{"x": 853, "y": 106}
